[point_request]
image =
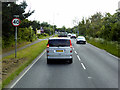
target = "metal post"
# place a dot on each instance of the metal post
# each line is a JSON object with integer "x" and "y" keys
{"x": 15, "y": 42}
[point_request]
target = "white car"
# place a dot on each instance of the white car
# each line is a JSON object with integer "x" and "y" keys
{"x": 81, "y": 39}
{"x": 59, "y": 48}
{"x": 73, "y": 36}
{"x": 69, "y": 35}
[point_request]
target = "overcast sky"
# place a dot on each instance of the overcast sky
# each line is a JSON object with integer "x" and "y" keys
{"x": 63, "y": 12}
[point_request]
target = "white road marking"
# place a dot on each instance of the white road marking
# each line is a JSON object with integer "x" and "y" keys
{"x": 78, "y": 58}
{"x": 83, "y": 66}
{"x": 75, "y": 52}
{"x": 73, "y": 48}
{"x": 89, "y": 77}
{"x": 27, "y": 70}
{"x": 113, "y": 55}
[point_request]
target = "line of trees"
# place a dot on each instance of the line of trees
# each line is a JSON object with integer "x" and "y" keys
{"x": 99, "y": 26}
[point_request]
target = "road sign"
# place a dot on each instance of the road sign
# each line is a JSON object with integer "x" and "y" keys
{"x": 16, "y": 22}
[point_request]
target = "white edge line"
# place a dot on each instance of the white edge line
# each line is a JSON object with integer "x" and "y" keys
{"x": 113, "y": 55}
{"x": 83, "y": 66}
{"x": 105, "y": 51}
{"x": 78, "y": 58}
{"x": 27, "y": 70}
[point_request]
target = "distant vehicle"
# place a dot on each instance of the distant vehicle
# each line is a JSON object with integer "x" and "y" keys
{"x": 62, "y": 34}
{"x": 81, "y": 39}
{"x": 73, "y": 36}
{"x": 59, "y": 48}
{"x": 69, "y": 35}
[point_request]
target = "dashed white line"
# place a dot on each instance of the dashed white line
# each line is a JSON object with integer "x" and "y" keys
{"x": 75, "y": 52}
{"x": 89, "y": 77}
{"x": 73, "y": 48}
{"x": 27, "y": 70}
{"x": 83, "y": 66}
{"x": 78, "y": 58}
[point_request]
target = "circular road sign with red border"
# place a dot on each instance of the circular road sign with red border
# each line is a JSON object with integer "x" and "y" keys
{"x": 16, "y": 22}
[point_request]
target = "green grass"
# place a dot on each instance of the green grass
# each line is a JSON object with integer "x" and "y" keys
{"x": 56, "y": 35}
{"x": 44, "y": 37}
{"x": 29, "y": 54}
{"x": 109, "y": 46}
{"x": 21, "y": 44}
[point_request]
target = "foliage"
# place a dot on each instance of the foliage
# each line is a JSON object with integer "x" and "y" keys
{"x": 9, "y": 9}
{"x": 99, "y": 26}
{"x": 109, "y": 46}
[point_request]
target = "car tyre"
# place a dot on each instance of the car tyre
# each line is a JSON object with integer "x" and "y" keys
{"x": 48, "y": 61}
{"x": 70, "y": 61}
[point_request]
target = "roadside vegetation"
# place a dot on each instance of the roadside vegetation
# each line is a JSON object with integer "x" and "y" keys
{"x": 102, "y": 31}
{"x": 109, "y": 46}
{"x": 27, "y": 31}
{"x": 11, "y": 67}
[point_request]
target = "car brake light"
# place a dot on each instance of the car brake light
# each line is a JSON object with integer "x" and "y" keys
{"x": 47, "y": 45}
{"x": 70, "y": 51}
{"x": 47, "y": 51}
{"x": 70, "y": 44}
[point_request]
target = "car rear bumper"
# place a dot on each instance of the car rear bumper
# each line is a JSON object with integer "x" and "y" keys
{"x": 70, "y": 57}
{"x": 84, "y": 42}
{"x": 73, "y": 37}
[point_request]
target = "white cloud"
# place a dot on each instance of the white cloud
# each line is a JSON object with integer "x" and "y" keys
{"x": 62, "y": 12}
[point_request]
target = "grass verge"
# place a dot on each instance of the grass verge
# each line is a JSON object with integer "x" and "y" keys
{"x": 21, "y": 44}
{"x": 109, "y": 46}
{"x": 56, "y": 35}
{"x": 44, "y": 37}
{"x": 12, "y": 67}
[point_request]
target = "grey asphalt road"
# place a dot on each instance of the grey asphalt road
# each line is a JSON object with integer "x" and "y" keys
{"x": 91, "y": 68}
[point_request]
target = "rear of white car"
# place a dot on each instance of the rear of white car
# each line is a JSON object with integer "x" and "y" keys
{"x": 73, "y": 36}
{"x": 81, "y": 39}
{"x": 59, "y": 49}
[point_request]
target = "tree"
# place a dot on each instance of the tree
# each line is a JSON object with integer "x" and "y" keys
{"x": 8, "y": 10}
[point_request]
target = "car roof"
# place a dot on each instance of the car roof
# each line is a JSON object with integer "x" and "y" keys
{"x": 59, "y": 38}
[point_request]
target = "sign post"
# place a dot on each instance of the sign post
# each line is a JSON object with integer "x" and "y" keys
{"x": 16, "y": 23}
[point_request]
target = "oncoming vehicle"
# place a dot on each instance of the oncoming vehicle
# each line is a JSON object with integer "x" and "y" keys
{"x": 81, "y": 39}
{"x": 59, "y": 48}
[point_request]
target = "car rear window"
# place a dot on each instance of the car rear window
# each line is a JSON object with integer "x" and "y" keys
{"x": 59, "y": 42}
{"x": 80, "y": 38}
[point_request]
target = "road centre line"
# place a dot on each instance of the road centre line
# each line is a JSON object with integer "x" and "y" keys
{"x": 75, "y": 52}
{"x": 83, "y": 66}
{"x": 27, "y": 70}
{"x": 78, "y": 58}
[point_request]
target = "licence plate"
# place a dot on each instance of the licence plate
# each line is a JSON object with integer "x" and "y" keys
{"x": 59, "y": 50}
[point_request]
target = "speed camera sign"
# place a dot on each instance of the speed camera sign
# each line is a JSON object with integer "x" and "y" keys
{"x": 16, "y": 22}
